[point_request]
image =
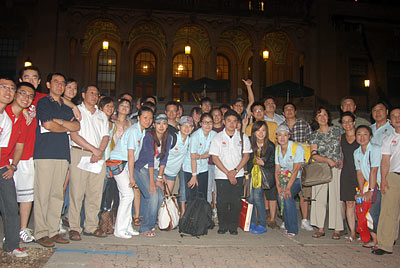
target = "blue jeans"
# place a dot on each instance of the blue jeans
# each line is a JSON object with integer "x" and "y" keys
{"x": 375, "y": 210}
{"x": 290, "y": 210}
{"x": 257, "y": 199}
{"x": 9, "y": 212}
{"x": 211, "y": 182}
{"x": 150, "y": 203}
{"x": 182, "y": 188}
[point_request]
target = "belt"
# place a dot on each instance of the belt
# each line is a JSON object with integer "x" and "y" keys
{"x": 79, "y": 148}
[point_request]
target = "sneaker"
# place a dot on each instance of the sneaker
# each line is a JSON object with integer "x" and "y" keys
{"x": 26, "y": 235}
{"x": 125, "y": 235}
{"x": 283, "y": 226}
{"x": 133, "y": 232}
{"x": 252, "y": 226}
{"x": 214, "y": 213}
{"x": 305, "y": 225}
{"x": 61, "y": 229}
{"x": 18, "y": 252}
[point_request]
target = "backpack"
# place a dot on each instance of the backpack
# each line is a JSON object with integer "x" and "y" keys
{"x": 197, "y": 218}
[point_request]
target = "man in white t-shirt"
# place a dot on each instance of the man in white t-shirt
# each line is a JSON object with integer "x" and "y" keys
{"x": 87, "y": 143}
{"x": 8, "y": 196}
{"x": 390, "y": 188}
{"x": 230, "y": 151}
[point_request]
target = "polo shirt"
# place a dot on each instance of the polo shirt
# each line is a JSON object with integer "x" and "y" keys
{"x": 279, "y": 119}
{"x": 380, "y": 133}
{"x": 229, "y": 151}
{"x": 93, "y": 126}
{"x": 272, "y": 126}
{"x": 371, "y": 158}
{"x": 198, "y": 144}
{"x": 286, "y": 161}
{"x": 391, "y": 146}
{"x": 51, "y": 145}
{"x": 5, "y": 131}
{"x": 176, "y": 156}
{"x": 29, "y": 143}
{"x": 132, "y": 139}
{"x": 18, "y": 135}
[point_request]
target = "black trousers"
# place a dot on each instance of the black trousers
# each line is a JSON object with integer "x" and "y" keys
{"x": 228, "y": 203}
{"x": 202, "y": 179}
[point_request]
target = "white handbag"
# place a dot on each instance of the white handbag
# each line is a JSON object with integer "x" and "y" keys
{"x": 168, "y": 214}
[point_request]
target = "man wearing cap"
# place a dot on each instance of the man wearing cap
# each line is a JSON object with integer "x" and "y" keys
{"x": 230, "y": 153}
{"x": 88, "y": 144}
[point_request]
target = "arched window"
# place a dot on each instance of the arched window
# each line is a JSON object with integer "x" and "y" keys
{"x": 223, "y": 73}
{"x": 107, "y": 71}
{"x": 145, "y": 74}
{"x": 182, "y": 68}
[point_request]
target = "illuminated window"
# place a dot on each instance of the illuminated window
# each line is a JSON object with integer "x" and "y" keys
{"x": 145, "y": 74}
{"x": 182, "y": 68}
{"x": 107, "y": 71}
{"x": 223, "y": 67}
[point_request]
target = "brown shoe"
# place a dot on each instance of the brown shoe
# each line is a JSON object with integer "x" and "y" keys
{"x": 74, "y": 235}
{"x": 45, "y": 242}
{"x": 96, "y": 233}
{"x": 273, "y": 225}
{"x": 59, "y": 239}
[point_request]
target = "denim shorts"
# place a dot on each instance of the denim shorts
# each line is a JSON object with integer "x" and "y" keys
{"x": 170, "y": 178}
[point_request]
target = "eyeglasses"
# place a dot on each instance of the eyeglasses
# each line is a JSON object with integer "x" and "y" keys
{"x": 25, "y": 94}
{"x": 258, "y": 110}
{"x": 207, "y": 122}
{"x": 7, "y": 87}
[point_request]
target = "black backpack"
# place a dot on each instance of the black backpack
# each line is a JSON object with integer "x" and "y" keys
{"x": 197, "y": 218}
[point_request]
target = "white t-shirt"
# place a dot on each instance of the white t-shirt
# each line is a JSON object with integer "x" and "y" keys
{"x": 391, "y": 146}
{"x": 93, "y": 126}
{"x": 229, "y": 151}
{"x": 5, "y": 129}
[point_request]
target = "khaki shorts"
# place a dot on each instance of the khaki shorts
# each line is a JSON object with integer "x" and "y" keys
{"x": 305, "y": 192}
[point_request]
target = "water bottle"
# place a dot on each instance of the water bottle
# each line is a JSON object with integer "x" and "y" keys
{"x": 359, "y": 199}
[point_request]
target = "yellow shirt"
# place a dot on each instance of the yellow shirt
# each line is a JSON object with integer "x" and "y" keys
{"x": 272, "y": 126}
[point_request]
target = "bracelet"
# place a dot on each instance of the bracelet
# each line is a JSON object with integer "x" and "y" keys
{"x": 371, "y": 189}
{"x": 194, "y": 174}
{"x": 62, "y": 122}
{"x": 159, "y": 177}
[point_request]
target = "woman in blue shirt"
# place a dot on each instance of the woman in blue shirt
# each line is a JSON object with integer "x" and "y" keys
{"x": 367, "y": 159}
{"x": 196, "y": 173}
{"x": 149, "y": 170}
{"x": 288, "y": 159}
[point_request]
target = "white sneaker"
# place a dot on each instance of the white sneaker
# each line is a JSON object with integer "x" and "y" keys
{"x": 125, "y": 235}
{"x": 305, "y": 225}
{"x": 26, "y": 235}
{"x": 18, "y": 252}
{"x": 61, "y": 229}
{"x": 133, "y": 232}
{"x": 214, "y": 213}
{"x": 283, "y": 226}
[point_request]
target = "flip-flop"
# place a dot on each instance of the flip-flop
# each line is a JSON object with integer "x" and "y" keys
{"x": 149, "y": 234}
{"x": 349, "y": 239}
{"x": 318, "y": 234}
{"x": 368, "y": 245}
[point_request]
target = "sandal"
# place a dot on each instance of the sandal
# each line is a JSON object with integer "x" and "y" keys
{"x": 137, "y": 221}
{"x": 349, "y": 239}
{"x": 336, "y": 236}
{"x": 368, "y": 245}
{"x": 149, "y": 233}
{"x": 318, "y": 234}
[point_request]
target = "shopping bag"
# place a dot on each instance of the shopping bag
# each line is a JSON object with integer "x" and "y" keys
{"x": 245, "y": 215}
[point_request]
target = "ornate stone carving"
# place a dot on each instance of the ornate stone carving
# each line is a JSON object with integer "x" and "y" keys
{"x": 277, "y": 43}
{"x": 238, "y": 39}
{"x": 96, "y": 28}
{"x": 196, "y": 35}
{"x": 151, "y": 30}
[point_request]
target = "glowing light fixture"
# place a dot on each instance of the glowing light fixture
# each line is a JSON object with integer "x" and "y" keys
{"x": 28, "y": 62}
{"x": 180, "y": 67}
{"x": 105, "y": 44}
{"x": 265, "y": 54}
{"x": 187, "y": 49}
{"x": 366, "y": 82}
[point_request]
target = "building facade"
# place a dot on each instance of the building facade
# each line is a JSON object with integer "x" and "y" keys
{"x": 331, "y": 46}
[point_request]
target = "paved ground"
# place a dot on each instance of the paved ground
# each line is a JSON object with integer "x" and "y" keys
{"x": 169, "y": 249}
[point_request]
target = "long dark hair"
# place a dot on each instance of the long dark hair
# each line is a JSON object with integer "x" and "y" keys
{"x": 253, "y": 139}
{"x": 156, "y": 142}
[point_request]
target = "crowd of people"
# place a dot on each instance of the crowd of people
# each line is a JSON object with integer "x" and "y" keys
{"x": 79, "y": 162}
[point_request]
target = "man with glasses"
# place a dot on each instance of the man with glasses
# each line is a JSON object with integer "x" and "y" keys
{"x": 8, "y": 198}
{"x": 88, "y": 145}
{"x": 51, "y": 157}
{"x": 24, "y": 174}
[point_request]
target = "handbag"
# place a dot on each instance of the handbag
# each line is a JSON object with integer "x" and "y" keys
{"x": 267, "y": 178}
{"x": 316, "y": 173}
{"x": 114, "y": 167}
{"x": 168, "y": 214}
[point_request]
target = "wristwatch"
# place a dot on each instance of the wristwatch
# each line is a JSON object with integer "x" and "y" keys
{"x": 371, "y": 189}
{"x": 14, "y": 166}
{"x": 235, "y": 169}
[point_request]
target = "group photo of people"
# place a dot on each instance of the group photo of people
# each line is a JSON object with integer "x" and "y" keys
{"x": 76, "y": 162}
